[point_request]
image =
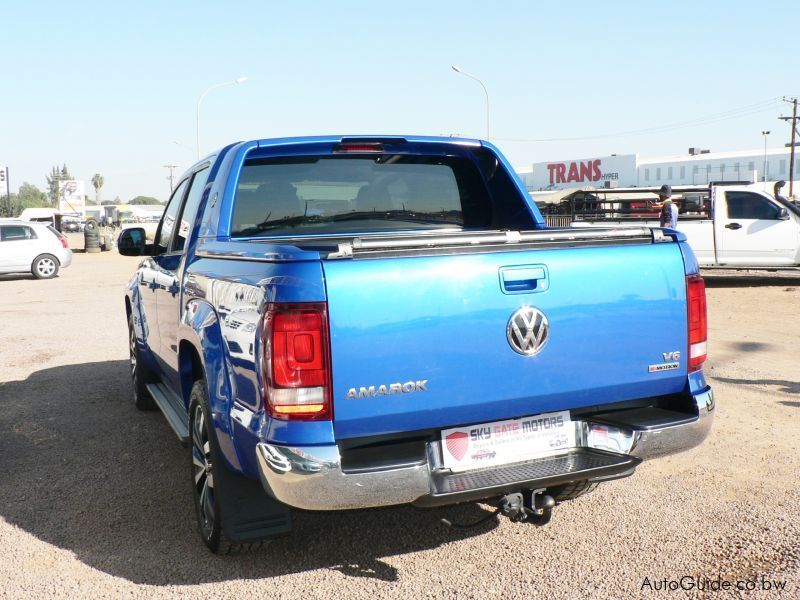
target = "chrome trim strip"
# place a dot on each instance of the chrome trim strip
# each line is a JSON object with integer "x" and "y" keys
{"x": 427, "y": 239}
{"x": 311, "y": 477}
{"x": 503, "y": 237}
{"x": 240, "y": 255}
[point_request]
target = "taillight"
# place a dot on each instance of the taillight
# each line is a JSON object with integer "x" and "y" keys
{"x": 698, "y": 324}
{"x": 63, "y": 241}
{"x": 296, "y": 361}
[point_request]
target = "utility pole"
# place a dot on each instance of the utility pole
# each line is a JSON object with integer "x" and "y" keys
{"x": 171, "y": 177}
{"x": 765, "y": 134}
{"x": 8, "y": 194}
{"x": 793, "y": 118}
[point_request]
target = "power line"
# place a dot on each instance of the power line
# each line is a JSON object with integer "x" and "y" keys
{"x": 735, "y": 113}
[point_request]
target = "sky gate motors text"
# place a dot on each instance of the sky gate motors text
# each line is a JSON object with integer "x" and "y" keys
{"x": 504, "y": 429}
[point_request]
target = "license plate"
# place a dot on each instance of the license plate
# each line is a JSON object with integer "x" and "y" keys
{"x": 507, "y": 441}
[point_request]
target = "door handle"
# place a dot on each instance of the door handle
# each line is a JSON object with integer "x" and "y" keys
{"x": 519, "y": 280}
{"x": 733, "y": 226}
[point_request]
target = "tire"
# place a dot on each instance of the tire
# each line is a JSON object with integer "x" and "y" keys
{"x": 570, "y": 491}
{"x": 202, "y": 443}
{"x": 45, "y": 266}
{"x": 140, "y": 373}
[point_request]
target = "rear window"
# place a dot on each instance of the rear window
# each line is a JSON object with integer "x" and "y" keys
{"x": 10, "y": 233}
{"x": 338, "y": 194}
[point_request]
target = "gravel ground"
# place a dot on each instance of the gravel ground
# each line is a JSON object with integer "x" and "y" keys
{"x": 95, "y": 498}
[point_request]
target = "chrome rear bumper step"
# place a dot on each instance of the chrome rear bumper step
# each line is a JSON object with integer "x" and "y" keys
{"x": 581, "y": 463}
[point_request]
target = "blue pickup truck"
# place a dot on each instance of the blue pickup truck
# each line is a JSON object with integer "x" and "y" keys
{"x": 338, "y": 323}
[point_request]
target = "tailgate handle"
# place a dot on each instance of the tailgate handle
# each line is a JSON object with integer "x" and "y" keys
{"x": 519, "y": 280}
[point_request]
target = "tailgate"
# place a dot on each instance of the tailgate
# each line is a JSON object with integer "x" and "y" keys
{"x": 426, "y": 341}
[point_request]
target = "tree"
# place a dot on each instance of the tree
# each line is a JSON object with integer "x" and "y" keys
{"x": 54, "y": 180}
{"x": 53, "y": 186}
{"x": 145, "y": 200}
{"x": 97, "y": 182}
{"x": 29, "y": 196}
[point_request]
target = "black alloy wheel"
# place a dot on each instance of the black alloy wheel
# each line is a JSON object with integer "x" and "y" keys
{"x": 203, "y": 478}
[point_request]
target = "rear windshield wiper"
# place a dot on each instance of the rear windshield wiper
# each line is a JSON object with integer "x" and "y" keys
{"x": 439, "y": 218}
{"x": 397, "y": 215}
{"x": 284, "y": 222}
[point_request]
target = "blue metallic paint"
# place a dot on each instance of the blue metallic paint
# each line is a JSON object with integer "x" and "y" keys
{"x": 443, "y": 318}
{"x": 380, "y": 310}
{"x": 200, "y": 328}
{"x": 691, "y": 266}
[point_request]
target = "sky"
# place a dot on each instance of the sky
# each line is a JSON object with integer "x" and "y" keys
{"x": 109, "y": 88}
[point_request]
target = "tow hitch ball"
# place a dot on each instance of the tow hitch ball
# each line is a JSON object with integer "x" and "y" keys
{"x": 529, "y": 505}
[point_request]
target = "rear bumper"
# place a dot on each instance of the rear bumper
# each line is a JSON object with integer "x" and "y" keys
{"x": 64, "y": 257}
{"x": 312, "y": 478}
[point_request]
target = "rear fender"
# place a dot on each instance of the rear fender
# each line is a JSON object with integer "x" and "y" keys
{"x": 200, "y": 331}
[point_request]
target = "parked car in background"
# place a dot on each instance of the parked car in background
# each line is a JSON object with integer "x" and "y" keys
{"x": 728, "y": 225}
{"x": 70, "y": 226}
{"x": 49, "y": 216}
{"x": 28, "y": 246}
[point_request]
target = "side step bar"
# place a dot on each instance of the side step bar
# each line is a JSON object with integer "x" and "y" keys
{"x": 173, "y": 410}
{"x": 581, "y": 463}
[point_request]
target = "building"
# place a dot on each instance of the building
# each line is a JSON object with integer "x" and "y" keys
{"x": 697, "y": 167}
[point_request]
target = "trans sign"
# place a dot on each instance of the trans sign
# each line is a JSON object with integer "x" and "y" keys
{"x": 596, "y": 172}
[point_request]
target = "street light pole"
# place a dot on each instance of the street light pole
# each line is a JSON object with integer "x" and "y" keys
{"x": 486, "y": 93}
{"x": 765, "y": 134}
{"x": 200, "y": 100}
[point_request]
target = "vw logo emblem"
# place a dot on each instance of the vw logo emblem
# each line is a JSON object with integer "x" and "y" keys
{"x": 527, "y": 331}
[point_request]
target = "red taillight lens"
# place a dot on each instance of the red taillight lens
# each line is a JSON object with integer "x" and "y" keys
{"x": 296, "y": 361}
{"x": 698, "y": 323}
{"x": 63, "y": 241}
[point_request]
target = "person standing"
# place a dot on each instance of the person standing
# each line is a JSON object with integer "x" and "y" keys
{"x": 668, "y": 216}
{"x": 778, "y": 191}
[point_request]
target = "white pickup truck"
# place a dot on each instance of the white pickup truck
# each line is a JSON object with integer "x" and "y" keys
{"x": 730, "y": 226}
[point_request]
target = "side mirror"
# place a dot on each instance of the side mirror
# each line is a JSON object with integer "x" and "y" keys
{"x": 133, "y": 242}
{"x": 783, "y": 214}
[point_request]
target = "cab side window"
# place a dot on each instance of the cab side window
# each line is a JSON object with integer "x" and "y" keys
{"x": 10, "y": 233}
{"x": 189, "y": 212}
{"x": 168, "y": 220}
{"x": 746, "y": 205}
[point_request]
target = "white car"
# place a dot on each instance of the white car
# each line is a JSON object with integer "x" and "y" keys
{"x": 27, "y": 246}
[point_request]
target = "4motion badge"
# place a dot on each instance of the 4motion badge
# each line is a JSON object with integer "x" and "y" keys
{"x": 672, "y": 361}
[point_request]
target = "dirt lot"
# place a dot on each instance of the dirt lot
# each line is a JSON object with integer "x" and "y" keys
{"x": 95, "y": 498}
